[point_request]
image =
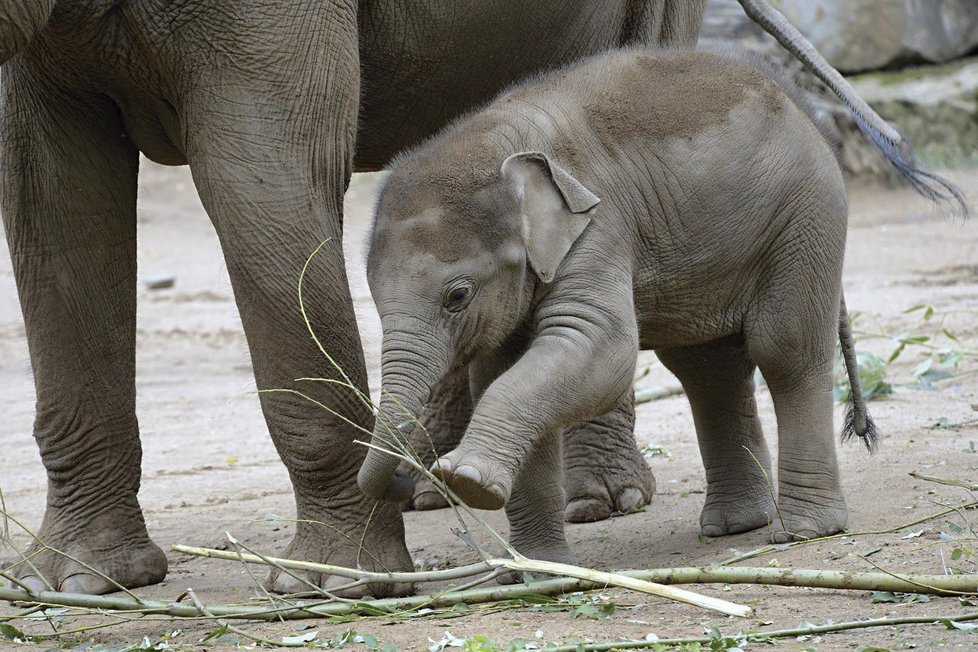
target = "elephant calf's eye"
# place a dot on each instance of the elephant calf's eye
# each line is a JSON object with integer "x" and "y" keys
{"x": 457, "y": 298}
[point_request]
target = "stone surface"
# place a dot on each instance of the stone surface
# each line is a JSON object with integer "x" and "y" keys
{"x": 861, "y": 35}
{"x": 935, "y": 106}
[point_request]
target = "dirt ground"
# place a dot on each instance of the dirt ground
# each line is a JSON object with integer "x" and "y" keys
{"x": 210, "y": 468}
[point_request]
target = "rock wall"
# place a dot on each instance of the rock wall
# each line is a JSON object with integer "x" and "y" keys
{"x": 861, "y": 35}
{"x": 935, "y": 106}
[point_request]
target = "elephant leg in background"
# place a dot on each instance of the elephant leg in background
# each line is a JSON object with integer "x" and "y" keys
{"x": 535, "y": 510}
{"x": 270, "y": 150}
{"x": 445, "y": 418}
{"x": 718, "y": 379}
{"x": 604, "y": 471}
{"x": 69, "y": 207}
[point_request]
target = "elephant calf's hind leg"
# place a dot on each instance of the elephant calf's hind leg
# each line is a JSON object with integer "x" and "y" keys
{"x": 718, "y": 379}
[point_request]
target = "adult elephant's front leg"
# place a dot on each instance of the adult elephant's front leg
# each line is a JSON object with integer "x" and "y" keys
{"x": 271, "y": 152}
{"x": 68, "y": 190}
{"x": 604, "y": 471}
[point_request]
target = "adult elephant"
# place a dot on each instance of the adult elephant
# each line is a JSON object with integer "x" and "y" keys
{"x": 260, "y": 98}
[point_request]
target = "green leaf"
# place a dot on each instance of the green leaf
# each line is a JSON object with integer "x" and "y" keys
{"x": 884, "y": 596}
{"x": 10, "y": 633}
{"x": 964, "y": 627}
{"x": 217, "y": 633}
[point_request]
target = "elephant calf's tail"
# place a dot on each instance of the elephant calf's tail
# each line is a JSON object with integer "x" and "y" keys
{"x": 857, "y": 422}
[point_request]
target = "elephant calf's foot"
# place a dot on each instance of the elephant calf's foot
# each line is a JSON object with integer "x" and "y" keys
{"x": 335, "y": 543}
{"x": 99, "y": 556}
{"x": 733, "y": 513}
{"x": 595, "y": 489}
{"x": 801, "y": 521}
{"x": 477, "y": 480}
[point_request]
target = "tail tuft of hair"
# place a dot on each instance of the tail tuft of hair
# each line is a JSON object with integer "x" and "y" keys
{"x": 865, "y": 430}
{"x": 927, "y": 184}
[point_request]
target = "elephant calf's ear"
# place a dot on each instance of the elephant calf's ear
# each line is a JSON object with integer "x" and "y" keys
{"x": 556, "y": 209}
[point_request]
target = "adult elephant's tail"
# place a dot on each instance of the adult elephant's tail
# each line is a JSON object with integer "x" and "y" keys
{"x": 891, "y": 142}
{"x": 858, "y": 422}
{"x": 20, "y": 21}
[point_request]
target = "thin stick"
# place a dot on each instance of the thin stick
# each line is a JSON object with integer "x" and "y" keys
{"x": 764, "y": 636}
{"x": 726, "y": 575}
{"x": 970, "y": 486}
{"x": 841, "y": 535}
{"x": 231, "y": 628}
{"x": 517, "y": 565}
{"x": 847, "y": 580}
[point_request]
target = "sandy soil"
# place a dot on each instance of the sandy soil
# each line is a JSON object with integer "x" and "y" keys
{"x": 209, "y": 466}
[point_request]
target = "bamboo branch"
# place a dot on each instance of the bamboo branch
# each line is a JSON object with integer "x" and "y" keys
{"x": 951, "y": 482}
{"x": 657, "y": 392}
{"x": 765, "y": 636}
{"x": 845, "y": 580}
{"x": 860, "y": 581}
{"x": 757, "y": 552}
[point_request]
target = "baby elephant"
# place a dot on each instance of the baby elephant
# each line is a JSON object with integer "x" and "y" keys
{"x": 675, "y": 201}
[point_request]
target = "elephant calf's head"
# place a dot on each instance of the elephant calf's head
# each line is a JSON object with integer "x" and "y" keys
{"x": 457, "y": 252}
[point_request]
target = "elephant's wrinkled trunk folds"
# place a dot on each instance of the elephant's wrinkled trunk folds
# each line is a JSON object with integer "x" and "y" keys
{"x": 407, "y": 379}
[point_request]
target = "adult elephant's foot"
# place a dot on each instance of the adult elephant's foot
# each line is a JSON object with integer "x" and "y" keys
{"x": 737, "y": 510}
{"x": 801, "y": 520}
{"x": 361, "y": 537}
{"x": 92, "y": 555}
{"x": 479, "y": 481}
{"x": 604, "y": 472}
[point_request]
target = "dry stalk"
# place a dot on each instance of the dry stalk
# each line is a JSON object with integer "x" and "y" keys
{"x": 523, "y": 565}
{"x": 842, "y": 580}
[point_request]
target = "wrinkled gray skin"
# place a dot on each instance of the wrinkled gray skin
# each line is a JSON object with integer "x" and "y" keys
{"x": 546, "y": 239}
{"x": 260, "y": 99}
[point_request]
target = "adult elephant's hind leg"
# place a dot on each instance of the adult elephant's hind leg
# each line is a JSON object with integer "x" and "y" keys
{"x": 718, "y": 379}
{"x": 270, "y": 147}
{"x": 69, "y": 207}
{"x": 604, "y": 471}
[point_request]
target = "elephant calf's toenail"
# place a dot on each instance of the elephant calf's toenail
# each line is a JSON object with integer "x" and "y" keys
{"x": 470, "y": 473}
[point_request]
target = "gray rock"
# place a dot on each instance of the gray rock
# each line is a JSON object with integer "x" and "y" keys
{"x": 861, "y": 35}
{"x": 936, "y": 107}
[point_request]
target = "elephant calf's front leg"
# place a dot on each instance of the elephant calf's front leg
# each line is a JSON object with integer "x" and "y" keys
{"x": 559, "y": 381}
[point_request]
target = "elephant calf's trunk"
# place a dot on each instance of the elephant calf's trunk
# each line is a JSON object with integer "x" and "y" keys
{"x": 380, "y": 477}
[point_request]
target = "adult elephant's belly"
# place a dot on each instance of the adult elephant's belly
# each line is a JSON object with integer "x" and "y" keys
{"x": 426, "y": 62}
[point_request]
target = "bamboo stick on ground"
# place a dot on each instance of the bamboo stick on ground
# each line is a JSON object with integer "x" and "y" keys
{"x": 725, "y": 575}
{"x": 657, "y": 392}
{"x": 844, "y": 580}
{"x": 598, "y": 578}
